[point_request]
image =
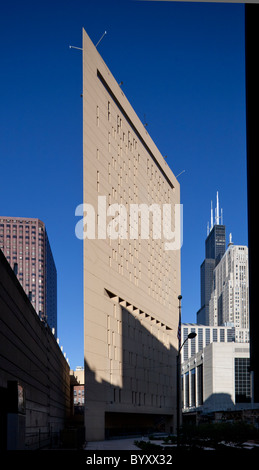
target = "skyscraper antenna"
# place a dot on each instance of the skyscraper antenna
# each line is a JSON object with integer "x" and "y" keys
{"x": 230, "y": 239}
{"x": 211, "y": 217}
{"x": 218, "y": 218}
{"x": 217, "y": 210}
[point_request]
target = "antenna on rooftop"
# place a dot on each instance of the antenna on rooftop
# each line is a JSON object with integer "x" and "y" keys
{"x": 217, "y": 216}
{"x": 74, "y": 47}
{"x": 180, "y": 173}
{"x": 211, "y": 216}
{"x": 105, "y": 32}
{"x": 217, "y": 210}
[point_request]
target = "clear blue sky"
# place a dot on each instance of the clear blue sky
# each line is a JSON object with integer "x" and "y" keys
{"x": 183, "y": 70}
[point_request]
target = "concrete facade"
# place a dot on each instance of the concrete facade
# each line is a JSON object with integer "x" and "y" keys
{"x": 34, "y": 374}
{"x": 131, "y": 284}
{"x": 212, "y": 379}
{"x": 209, "y": 334}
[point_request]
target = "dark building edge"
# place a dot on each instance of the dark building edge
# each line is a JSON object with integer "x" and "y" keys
{"x": 252, "y": 135}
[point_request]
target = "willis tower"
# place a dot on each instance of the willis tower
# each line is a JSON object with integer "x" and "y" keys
{"x": 215, "y": 247}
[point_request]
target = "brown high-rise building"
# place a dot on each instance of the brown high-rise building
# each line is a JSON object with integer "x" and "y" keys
{"x": 131, "y": 276}
{"x": 25, "y": 244}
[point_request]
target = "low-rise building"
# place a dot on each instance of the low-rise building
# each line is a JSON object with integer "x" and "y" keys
{"x": 34, "y": 373}
{"x": 210, "y": 334}
{"x": 78, "y": 391}
{"x": 217, "y": 378}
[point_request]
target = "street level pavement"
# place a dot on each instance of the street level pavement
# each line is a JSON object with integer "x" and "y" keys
{"x": 113, "y": 444}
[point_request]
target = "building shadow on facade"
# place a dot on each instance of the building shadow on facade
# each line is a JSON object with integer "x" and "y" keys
{"x": 139, "y": 393}
{"x": 217, "y": 401}
{"x": 219, "y": 408}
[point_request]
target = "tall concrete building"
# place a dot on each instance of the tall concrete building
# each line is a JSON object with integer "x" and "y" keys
{"x": 131, "y": 269}
{"x": 25, "y": 244}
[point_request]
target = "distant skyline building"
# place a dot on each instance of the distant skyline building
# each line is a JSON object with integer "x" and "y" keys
{"x": 229, "y": 301}
{"x": 25, "y": 244}
{"x": 215, "y": 244}
{"x": 215, "y": 247}
{"x": 215, "y": 364}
